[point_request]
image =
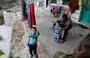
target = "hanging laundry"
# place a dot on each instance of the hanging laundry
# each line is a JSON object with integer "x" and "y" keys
{"x": 33, "y": 14}
{"x": 29, "y": 16}
{"x": 74, "y": 5}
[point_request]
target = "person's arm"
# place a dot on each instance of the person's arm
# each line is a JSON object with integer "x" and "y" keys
{"x": 66, "y": 26}
{"x": 37, "y": 33}
{"x": 28, "y": 37}
{"x": 54, "y": 24}
{"x": 53, "y": 29}
{"x": 28, "y": 40}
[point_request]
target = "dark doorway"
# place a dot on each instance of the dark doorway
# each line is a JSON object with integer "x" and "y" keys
{"x": 65, "y": 2}
{"x": 53, "y": 1}
{"x": 46, "y": 3}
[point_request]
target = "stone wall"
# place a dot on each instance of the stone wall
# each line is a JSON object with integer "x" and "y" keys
{"x": 11, "y": 15}
{"x": 8, "y": 17}
{"x": 6, "y": 4}
{"x": 1, "y": 20}
{"x": 17, "y": 40}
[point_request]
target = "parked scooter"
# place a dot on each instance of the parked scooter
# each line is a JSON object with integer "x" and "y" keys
{"x": 55, "y": 11}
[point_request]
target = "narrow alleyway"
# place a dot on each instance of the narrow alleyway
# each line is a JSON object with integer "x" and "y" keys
{"x": 48, "y": 47}
{"x": 14, "y": 38}
{"x": 44, "y": 23}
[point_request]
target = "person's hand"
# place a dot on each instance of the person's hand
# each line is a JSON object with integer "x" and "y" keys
{"x": 35, "y": 26}
{"x": 38, "y": 43}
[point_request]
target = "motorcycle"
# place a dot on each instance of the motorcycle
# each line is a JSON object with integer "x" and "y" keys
{"x": 56, "y": 11}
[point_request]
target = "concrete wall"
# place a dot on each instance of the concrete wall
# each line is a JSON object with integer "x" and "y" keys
{"x": 10, "y": 15}
{"x": 59, "y": 2}
{"x": 8, "y": 18}
{"x": 76, "y": 16}
{"x": 17, "y": 43}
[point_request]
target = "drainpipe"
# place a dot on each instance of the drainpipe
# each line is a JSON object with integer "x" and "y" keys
{"x": 46, "y": 3}
{"x": 22, "y": 4}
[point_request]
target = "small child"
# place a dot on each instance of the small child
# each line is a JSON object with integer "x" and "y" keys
{"x": 57, "y": 31}
{"x": 32, "y": 41}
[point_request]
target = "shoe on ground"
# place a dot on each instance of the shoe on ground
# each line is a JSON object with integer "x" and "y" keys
{"x": 61, "y": 41}
{"x": 31, "y": 56}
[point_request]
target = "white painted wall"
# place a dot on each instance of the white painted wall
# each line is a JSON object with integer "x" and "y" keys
{"x": 59, "y": 2}
{"x": 44, "y": 3}
{"x": 76, "y": 16}
{"x": 10, "y": 17}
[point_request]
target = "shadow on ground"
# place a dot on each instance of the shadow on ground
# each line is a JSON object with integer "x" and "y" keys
{"x": 62, "y": 55}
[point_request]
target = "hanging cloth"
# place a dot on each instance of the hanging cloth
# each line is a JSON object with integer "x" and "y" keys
{"x": 33, "y": 14}
{"x": 74, "y": 5}
{"x": 29, "y": 16}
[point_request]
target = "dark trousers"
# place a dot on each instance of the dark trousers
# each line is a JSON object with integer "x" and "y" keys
{"x": 65, "y": 35}
{"x": 66, "y": 32}
{"x": 33, "y": 49}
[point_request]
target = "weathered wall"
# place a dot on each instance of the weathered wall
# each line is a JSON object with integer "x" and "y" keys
{"x": 76, "y": 16}
{"x": 6, "y": 4}
{"x": 17, "y": 40}
{"x": 1, "y": 20}
{"x": 11, "y": 15}
{"x": 59, "y": 2}
{"x": 8, "y": 17}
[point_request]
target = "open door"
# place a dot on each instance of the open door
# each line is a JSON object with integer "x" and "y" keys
{"x": 85, "y": 14}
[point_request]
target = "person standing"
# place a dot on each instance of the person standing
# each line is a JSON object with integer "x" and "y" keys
{"x": 32, "y": 41}
{"x": 57, "y": 31}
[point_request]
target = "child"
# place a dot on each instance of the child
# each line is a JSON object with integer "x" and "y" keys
{"x": 32, "y": 41}
{"x": 57, "y": 31}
